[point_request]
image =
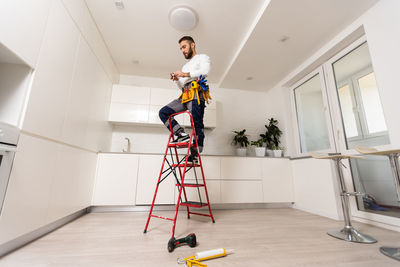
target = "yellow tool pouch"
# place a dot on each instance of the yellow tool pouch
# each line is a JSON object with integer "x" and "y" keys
{"x": 189, "y": 93}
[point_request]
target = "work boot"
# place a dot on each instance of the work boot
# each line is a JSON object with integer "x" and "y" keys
{"x": 193, "y": 157}
{"x": 181, "y": 137}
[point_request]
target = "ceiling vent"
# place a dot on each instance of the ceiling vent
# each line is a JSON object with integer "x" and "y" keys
{"x": 183, "y": 18}
{"x": 119, "y": 4}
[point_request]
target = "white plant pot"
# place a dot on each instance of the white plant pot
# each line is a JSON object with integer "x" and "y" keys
{"x": 260, "y": 151}
{"x": 277, "y": 153}
{"x": 270, "y": 152}
{"x": 241, "y": 152}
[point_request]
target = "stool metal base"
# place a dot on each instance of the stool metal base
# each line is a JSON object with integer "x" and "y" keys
{"x": 391, "y": 252}
{"x": 352, "y": 235}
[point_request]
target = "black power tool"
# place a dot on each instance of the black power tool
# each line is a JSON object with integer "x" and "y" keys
{"x": 190, "y": 240}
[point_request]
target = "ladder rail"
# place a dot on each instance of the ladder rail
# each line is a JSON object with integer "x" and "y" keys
{"x": 158, "y": 183}
{"x": 180, "y": 175}
{"x": 181, "y": 187}
{"x": 202, "y": 171}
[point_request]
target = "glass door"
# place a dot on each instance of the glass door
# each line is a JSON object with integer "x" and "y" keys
{"x": 360, "y": 121}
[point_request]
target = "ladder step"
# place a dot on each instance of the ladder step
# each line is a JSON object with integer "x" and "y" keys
{"x": 191, "y": 185}
{"x": 180, "y": 145}
{"x": 161, "y": 217}
{"x": 188, "y": 165}
{"x": 193, "y": 204}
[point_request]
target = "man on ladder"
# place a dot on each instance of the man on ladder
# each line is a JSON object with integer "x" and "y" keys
{"x": 194, "y": 94}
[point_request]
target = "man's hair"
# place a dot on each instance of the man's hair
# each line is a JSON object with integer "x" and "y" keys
{"x": 186, "y": 38}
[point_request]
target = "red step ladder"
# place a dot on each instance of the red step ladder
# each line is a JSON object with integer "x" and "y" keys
{"x": 179, "y": 167}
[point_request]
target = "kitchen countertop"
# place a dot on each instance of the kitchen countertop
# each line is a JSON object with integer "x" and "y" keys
{"x": 208, "y": 155}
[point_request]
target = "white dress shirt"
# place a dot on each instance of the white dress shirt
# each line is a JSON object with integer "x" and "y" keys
{"x": 196, "y": 66}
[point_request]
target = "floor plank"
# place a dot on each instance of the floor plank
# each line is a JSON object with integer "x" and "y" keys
{"x": 260, "y": 237}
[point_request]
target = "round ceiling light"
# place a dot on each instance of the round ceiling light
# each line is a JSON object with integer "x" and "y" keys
{"x": 183, "y": 18}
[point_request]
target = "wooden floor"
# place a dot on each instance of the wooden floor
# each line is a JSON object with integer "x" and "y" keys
{"x": 260, "y": 237}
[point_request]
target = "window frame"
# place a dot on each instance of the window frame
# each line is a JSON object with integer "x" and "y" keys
{"x": 328, "y": 120}
{"x": 340, "y": 136}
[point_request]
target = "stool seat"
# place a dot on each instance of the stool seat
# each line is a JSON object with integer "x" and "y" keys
{"x": 373, "y": 151}
{"x": 334, "y": 156}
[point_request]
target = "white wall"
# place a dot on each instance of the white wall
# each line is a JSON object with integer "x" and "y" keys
{"x": 66, "y": 114}
{"x": 382, "y": 25}
{"x": 236, "y": 110}
{"x": 315, "y": 187}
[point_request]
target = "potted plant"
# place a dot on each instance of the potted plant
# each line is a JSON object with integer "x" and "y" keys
{"x": 241, "y": 139}
{"x": 259, "y": 147}
{"x": 272, "y": 137}
{"x": 277, "y": 151}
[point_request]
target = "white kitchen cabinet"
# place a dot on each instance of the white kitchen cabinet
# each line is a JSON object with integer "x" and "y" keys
{"x": 210, "y": 118}
{"x": 78, "y": 104}
{"x": 130, "y": 94}
{"x": 129, "y": 113}
{"x": 140, "y": 105}
{"x": 48, "y": 99}
{"x": 211, "y": 168}
{"x": 116, "y": 179}
{"x": 29, "y": 188}
{"x": 228, "y": 179}
{"x": 149, "y": 169}
{"x": 162, "y": 96}
{"x": 241, "y": 168}
{"x": 241, "y": 191}
{"x": 22, "y": 26}
{"x": 73, "y": 179}
{"x": 277, "y": 180}
{"x": 213, "y": 189}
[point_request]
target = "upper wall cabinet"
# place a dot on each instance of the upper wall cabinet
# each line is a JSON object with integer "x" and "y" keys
{"x": 140, "y": 105}
{"x": 22, "y": 26}
{"x": 50, "y": 89}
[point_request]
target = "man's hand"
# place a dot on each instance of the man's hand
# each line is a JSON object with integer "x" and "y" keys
{"x": 179, "y": 73}
{"x": 173, "y": 77}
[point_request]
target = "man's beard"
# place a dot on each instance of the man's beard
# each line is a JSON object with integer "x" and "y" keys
{"x": 189, "y": 54}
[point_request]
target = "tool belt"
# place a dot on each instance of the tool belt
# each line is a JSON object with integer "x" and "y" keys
{"x": 193, "y": 88}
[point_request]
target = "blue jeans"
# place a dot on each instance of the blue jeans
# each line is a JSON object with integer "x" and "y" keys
{"x": 194, "y": 108}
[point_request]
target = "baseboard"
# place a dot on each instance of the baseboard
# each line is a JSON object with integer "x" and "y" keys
{"x": 44, "y": 230}
{"x": 317, "y": 212}
{"x": 224, "y": 206}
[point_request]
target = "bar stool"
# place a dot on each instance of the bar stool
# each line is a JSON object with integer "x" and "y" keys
{"x": 348, "y": 233}
{"x": 393, "y": 156}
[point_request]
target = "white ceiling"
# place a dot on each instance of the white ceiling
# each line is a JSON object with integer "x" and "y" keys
{"x": 141, "y": 32}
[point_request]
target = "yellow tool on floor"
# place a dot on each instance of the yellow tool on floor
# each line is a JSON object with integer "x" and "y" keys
{"x": 196, "y": 259}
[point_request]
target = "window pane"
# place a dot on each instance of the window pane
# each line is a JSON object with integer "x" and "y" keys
{"x": 372, "y": 106}
{"x": 366, "y": 115}
{"x": 311, "y": 116}
{"x": 373, "y": 176}
{"x": 346, "y": 103}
